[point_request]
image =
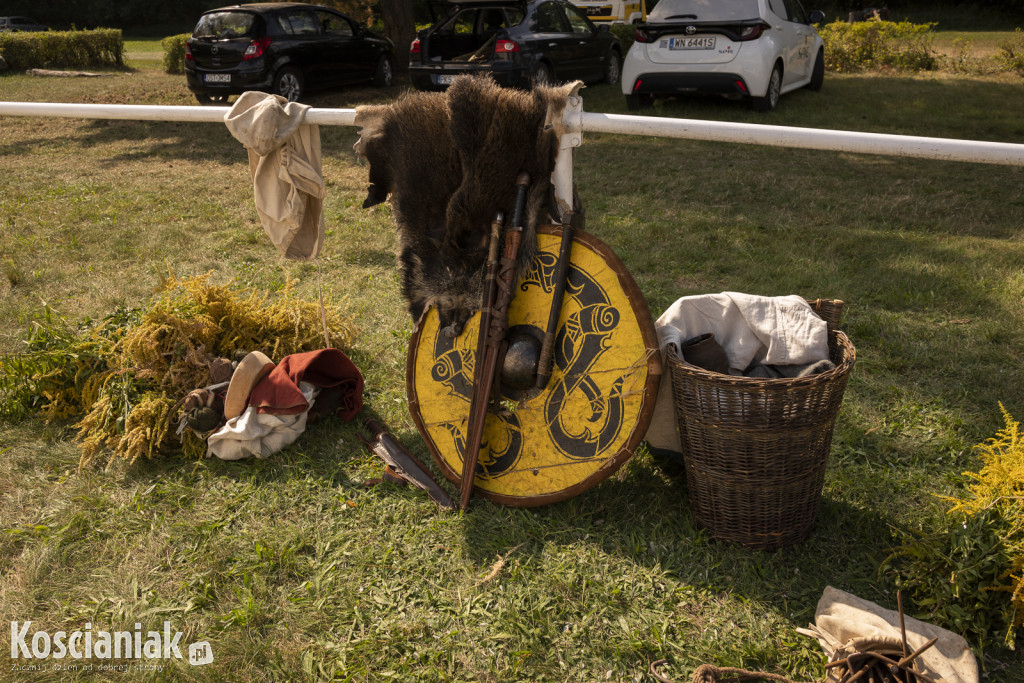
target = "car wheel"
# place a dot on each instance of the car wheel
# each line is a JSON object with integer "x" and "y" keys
{"x": 542, "y": 74}
{"x": 771, "y": 98}
{"x": 614, "y": 69}
{"x": 818, "y": 75}
{"x": 385, "y": 74}
{"x": 288, "y": 84}
{"x": 205, "y": 99}
{"x": 638, "y": 102}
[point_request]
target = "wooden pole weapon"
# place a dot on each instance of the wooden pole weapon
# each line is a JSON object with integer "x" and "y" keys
{"x": 491, "y": 338}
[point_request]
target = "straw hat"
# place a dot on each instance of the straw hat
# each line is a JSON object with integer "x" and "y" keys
{"x": 249, "y": 372}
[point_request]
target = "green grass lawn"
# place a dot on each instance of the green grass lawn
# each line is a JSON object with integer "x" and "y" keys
{"x": 293, "y": 569}
{"x": 132, "y": 44}
{"x": 143, "y": 52}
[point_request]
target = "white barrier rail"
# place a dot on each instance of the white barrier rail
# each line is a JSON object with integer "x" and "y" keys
{"x": 945, "y": 149}
{"x": 148, "y": 112}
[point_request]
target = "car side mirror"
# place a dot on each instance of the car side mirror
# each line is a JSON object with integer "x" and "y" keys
{"x": 817, "y": 16}
{"x": 603, "y": 28}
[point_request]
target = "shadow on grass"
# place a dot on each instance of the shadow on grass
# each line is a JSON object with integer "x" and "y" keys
{"x": 149, "y": 139}
{"x": 324, "y": 452}
{"x": 644, "y": 519}
{"x": 213, "y": 142}
{"x": 312, "y": 456}
{"x": 375, "y": 258}
{"x": 205, "y": 142}
{"x": 917, "y": 238}
{"x": 159, "y": 140}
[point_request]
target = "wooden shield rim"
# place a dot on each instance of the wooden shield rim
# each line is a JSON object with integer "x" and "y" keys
{"x": 654, "y": 374}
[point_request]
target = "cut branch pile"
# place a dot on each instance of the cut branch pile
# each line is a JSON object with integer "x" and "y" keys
{"x": 126, "y": 373}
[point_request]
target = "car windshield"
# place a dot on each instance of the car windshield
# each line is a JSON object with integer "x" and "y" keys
{"x": 704, "y": 10}
{"x": 225, "y": 25}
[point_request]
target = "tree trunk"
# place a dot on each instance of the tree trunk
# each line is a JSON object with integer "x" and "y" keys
{"x": 398, "y": 26}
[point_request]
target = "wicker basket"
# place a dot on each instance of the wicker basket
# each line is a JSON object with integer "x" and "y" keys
{"x": 755, "y": 450}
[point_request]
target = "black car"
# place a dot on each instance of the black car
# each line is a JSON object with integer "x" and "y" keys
{"x": 15, "y": 24}
{"x": 283, "y": 48}
{"x": 519, "y": 42}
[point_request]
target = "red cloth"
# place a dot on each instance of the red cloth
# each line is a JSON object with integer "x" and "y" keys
{"x": 278, "y": 393}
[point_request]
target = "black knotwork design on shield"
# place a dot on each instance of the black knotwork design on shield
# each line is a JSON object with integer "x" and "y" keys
{"x": 597, "y": 410}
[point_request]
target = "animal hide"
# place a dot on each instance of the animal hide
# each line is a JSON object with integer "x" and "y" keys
{"x": 449, "y": 162}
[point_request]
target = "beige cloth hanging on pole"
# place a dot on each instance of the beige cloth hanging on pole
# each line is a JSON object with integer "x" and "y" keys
{"x": 284, "y": 162}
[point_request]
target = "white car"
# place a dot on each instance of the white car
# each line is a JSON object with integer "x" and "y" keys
{"x": 751, "y": 49}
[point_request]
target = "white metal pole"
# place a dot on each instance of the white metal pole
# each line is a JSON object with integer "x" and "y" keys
{"x": 148, "y": 112}
{"x": 808, "y": 138}
{"x": 722, "y": 131}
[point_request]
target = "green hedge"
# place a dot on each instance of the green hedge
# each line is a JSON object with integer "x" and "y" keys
{"x": 174, "y": 53}
{"x": 626, "y": 34}
{"x": 102, "y": 47}
{"x": 1011, "y": 54}
{"x": 878, "y": 44}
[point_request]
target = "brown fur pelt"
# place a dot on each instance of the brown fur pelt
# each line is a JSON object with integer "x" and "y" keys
{"x": 449, "y": 162}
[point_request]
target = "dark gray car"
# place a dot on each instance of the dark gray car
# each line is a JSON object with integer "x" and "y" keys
{"x": 15, "y": 24}
{"x": 518, "y": 42}
{"x": 282, "y": 48}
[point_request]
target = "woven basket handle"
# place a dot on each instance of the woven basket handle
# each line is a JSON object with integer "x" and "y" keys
{"x": 830, "y": 310}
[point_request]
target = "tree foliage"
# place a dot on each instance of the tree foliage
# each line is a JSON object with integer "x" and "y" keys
{"x": 141, "y": 14}
{"x": 125, "y": 14}
{"x": 182, "y": 14}
{"x": 1014, "y": 6}
{"x": 360, "y": 10}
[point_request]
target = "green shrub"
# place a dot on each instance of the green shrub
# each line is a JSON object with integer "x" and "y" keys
{"x": 969, "y": 576}
{"x": 174, "y": 53}
{"x": 626, "y": 34}
{"x": 1011, "y": 55}
{"x": 958, "y": 577}
{"x": 902, "y": 46}
{"x": 961, "y": 61}
{"x": 101, "y": 47}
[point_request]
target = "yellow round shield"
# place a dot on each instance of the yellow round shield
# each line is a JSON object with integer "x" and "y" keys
{"x": 545, "y": 445}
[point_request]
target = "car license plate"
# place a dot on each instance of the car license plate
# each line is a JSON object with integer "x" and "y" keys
{"x": 690, "y": 43}
{"x": 216, "y": 78}
{"x": 445, "y": 79}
